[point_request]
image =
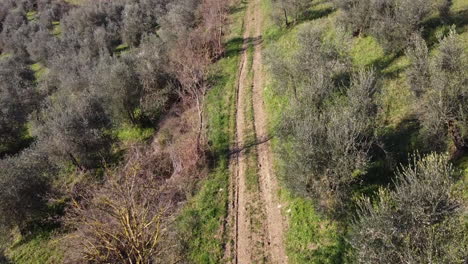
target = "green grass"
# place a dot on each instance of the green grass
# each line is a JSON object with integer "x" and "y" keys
{"x": 42, "y": 249}
{"x": 121, "y": 48}
{"x": 39, "y": 70}
{"x": 4, "y": 55}
{"x": 310, "y": 237}
{"x": 201, "y": 221}
{"x": 366, "y": 51}
{"x": 132, "y": 133}
{"x": 57, "y": 28}
{"x": 75, "y": 2}
{"x": 31, "y": 15}
{"x": 462, "y": 185}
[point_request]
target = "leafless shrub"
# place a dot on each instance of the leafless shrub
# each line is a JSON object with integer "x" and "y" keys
{"x": 123, "y": 221}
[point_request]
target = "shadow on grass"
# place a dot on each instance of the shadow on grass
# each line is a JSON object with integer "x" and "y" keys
{"x": 233, "y": 47}
{"x": 46, "y": 224}
{"x": 239, "y": 8}
{"x": 436, "y": 25}
{"x": 397, "y": 146}
{"x": 16, "y": 147}
{"x": 315, "y": 14}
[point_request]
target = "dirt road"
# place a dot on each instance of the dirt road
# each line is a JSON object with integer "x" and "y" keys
{"x": 255, "y": 220}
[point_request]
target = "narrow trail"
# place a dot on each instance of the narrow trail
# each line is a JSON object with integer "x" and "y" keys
{"x": 254, "y": 219}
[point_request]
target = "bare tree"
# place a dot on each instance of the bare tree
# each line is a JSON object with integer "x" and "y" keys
{"x": 124, "y": 220}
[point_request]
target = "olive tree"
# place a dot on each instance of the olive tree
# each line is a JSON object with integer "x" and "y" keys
{"x": 330, "y": 145}
{"x": 390, "y": 21}
{"x": 24, "y": 185}
{"x": 313, "y": 68}
{"x": 417, "y": 222}
{"x": 289, "y": 11}
{"x": 442, "y": 87}
{"x": 73, "y": 128}
{"x": 17, "y": 100}
{"x": 116, "y": 81}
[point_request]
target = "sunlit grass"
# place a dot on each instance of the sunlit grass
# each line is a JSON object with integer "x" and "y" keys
{"x": 133, "y": 133}
{"x": 201, "y": 221}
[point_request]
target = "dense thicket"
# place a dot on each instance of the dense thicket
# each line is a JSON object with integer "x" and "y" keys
{"x": 24, "y": 184}
{"x": 123, "y": 220}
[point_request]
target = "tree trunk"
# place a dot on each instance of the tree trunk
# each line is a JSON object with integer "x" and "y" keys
{"x": 131, "y": 116}
{"x": 75, "y": 162}
{"x": 458, "y": 141}
{"x": 286, "y": 17}
{"x": 200, "y": 123}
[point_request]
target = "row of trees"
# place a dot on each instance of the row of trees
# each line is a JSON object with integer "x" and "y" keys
{"x": 334, "y": 135}
{"x": 70, "y": 75}
{"x": 390, "y": 21}
{"x": 330, "y": 121}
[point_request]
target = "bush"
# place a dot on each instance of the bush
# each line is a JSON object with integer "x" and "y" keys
{"x": 116, "y": 81}
{"x": 290, "y": 11}
{"x": 330, "y": 146}
{"x": 24, "y": 185}
{"x": 74, "y": 129}
{"x": 418, "y": 222}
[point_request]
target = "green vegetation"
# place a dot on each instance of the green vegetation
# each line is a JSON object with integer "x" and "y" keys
{"x": 132, "y": 133}
{"x": 31, "y": 15}
{"x": 39, "y": 70}
{"x": 108, "y": 73}
{"x": 57, "y": 28}
{"x": 397, "y": 129}
{"x": 43, "y": 248}
{"x": 118, "y": 117}
{"x": 311, "y": 238}
{"x": 121, "y": 48}
{"x": 201, "y": 222}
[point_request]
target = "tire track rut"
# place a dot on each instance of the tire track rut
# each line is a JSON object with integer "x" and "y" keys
{"x": 244, "y": 245}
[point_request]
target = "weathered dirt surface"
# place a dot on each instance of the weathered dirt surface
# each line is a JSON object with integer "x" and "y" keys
{"x": 268, "y": 181}
{"x": 238, "y": 250}
{"x": 255, "y": 221}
